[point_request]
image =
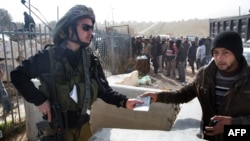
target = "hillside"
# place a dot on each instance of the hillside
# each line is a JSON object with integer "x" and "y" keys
{"x": 195, "y": 27}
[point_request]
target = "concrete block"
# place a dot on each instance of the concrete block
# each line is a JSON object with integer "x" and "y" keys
{"x": 130, "y": 79}
{"x": 159, "y": 117}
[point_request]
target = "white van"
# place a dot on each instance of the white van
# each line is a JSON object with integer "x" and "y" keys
{"x": 164, "y": 36}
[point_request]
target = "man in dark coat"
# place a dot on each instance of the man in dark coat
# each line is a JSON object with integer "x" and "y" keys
{"x": 29, "y": 22}
{"x": 222, "y": 88}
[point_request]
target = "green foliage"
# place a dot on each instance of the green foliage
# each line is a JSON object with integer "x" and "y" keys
{"x": 9, "y": 129}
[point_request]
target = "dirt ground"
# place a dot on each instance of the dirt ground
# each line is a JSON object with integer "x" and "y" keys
{"x": 159, "y": 81}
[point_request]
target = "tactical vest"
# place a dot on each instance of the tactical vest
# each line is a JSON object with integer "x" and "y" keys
{"x": 66, "y": 78}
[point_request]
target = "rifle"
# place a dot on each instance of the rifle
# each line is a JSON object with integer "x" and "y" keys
{"x": 56, "y": 111}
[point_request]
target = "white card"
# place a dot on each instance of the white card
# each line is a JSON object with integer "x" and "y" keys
{"x": 144, "y": 106}
{"x": 73, "y": 94}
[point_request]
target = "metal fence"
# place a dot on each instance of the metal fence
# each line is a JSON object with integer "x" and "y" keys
{"x": 15, "y": 46}
{"x": 114, "y": 50}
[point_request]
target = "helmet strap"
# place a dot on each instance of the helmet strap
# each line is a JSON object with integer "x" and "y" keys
{"x": 74, "y": 37}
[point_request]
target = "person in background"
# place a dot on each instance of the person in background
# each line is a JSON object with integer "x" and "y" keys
{"x": 192, "y": 55}
{"x": 186, "y": 44}
{"x": 222, "y": 87}
{"x": 4, "y": 97}
{"x": 208, "y": 44}
{"x": 170, "y": 55}
{"x": 76, "y": 71}
{"x": 29, "y": 22}
{"x": 159, "y": 44}
{"x": 134, "y": 53}
{"x": 146, "y": 50}
{"x": 139, "y": 46}
{"x": 201, "y": 53}
{"x": 181, "y": 62}
{"x": 155, "y": 51}
{"x": 164, "y": 45}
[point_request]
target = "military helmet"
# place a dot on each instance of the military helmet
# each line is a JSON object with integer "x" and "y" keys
{"x": 77, "y": 12}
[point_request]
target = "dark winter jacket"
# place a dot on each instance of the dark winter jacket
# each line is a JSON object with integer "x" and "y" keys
{"x": 181, "y": 55}
{"x": 192, "y": 52}
{"x": 236, "y": 102}
{"x": 156, "y": 49}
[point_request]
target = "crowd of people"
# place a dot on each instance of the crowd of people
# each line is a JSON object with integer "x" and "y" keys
{"x": 173, "y": 55}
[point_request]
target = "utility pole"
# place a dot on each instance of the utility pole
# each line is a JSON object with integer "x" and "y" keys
{"x": 113, "y": 15}
{"x": 29, "y": 8}
{"x": 239, "y": 11}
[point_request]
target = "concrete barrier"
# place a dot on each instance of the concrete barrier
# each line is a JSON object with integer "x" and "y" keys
{"x": 159, "y": 117}
{"x": 186, "y": 127}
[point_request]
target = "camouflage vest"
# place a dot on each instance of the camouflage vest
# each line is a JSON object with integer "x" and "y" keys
{"x": 66, "y": 78}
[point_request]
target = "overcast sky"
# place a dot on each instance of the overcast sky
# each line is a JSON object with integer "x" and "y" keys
{"x": 132, "y": 10}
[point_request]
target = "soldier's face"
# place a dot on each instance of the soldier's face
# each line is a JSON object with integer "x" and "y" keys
{"x": 85, "y": 29}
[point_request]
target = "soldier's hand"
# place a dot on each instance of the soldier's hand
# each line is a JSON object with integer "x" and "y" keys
{"x": 132, "y": 102}
{"x": 45, "y": 109}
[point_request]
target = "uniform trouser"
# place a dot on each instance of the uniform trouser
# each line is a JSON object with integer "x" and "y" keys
{"x": 75, "y": 134}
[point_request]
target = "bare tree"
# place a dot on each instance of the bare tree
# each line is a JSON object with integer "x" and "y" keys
{"x": 5, "y": 18}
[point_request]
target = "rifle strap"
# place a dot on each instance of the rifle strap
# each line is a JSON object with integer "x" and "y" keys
{"x": 86, "y": 100}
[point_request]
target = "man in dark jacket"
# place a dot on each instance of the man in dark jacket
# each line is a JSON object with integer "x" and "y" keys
{"x": 78, "y": 75}
{"x": 181, "y": 61}
{"x": 192, "y": 55}
{"x": 222, "y": 87}
{"x": 29, "y": 22}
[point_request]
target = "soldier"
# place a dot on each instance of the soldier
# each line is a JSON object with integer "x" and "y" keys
{"x": 79, "y": 77}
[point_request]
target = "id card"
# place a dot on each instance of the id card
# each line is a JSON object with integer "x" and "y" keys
{"x": 144, "y": 106}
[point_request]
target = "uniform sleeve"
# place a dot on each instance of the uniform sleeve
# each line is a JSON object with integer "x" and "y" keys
{"x": 27, "y": 70}
{"x": 106, "y": 93}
